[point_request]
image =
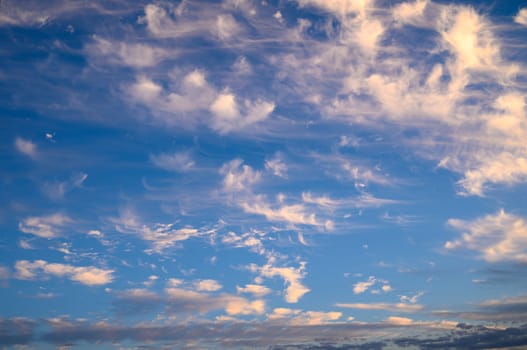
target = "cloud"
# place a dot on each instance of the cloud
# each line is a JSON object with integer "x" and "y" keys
{"x": 88, "y": 275}
{"x": 26, "y": 147}
{"x": 410, "y": 12}
{"x": 294, "y": 213}
{"x": 127, "y": 54}
{"x": 507, "y": 309}
{"x": 188, "y": 300}
{"x": 12, "y": 15}
{"x": 238, "y": 177}
{"x": 521, "y": 17}
{"x": 44, "y": 226}
{"x": 362, "y": 287}
{"x": 161, "y": 236}
{"x": 207, "y": 285}
{"x": 178, "y": 161}
{"x": 57, "y": 190}
{"x": 397, "y": 307}
{"x": 277, "y": 166}
{"x": 399, "y": 321}
{"x": 255, "y": 289}
{"x": 229, "y": 115}
{"x": 292, "y": 277}
{"x": 299, "y": 317}
{"x": 497, "y": 237}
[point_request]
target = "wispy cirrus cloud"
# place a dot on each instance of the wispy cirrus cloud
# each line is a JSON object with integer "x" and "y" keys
{"x": 397, "y": 307}
{"x": 496, "y": 237}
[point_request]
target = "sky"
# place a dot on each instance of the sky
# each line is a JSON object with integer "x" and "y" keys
{"x": 237, "y": 174}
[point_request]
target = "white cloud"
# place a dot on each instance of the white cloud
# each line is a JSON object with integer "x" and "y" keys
{"x": 229, "y": 115}
{"x": 227, "y": 27}
{"x": 128, "y": 54}
{"x": 255, "y": 289}
{"x": 521, "y": 17}
{"x": 293, "y": 214}
{"x": 397, "y": 307}
{"x": 44, "y": 226}
{"x": 411, "y": 299}
{"x": 291, "y": 276}
{"x": 277, "y": 166}
{"x": 26, "y": 147}
{"x": 238, "y": 177}
{"x": 161, "y": 236}
{"x": 207, "y": 285}
{"x": 361, "y": 287}
{"x": 87, "y": 275}
{"x": 410, "y": 12}
{"x": 178, "y": 161}
{"x": 497, "y": 237}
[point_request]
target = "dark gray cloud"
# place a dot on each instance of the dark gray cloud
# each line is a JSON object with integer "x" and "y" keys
{"x": 269, "y": 335}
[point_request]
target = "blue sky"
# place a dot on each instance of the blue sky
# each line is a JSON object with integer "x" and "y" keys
{"x": 263, "y": 174}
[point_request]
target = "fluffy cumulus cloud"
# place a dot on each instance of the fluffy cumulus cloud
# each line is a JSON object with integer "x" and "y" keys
{"x": 45, "y": 226}
{"x": 521, "y": 17}
{"x": 496, "y": 237}
{"x": 38, "y": 269}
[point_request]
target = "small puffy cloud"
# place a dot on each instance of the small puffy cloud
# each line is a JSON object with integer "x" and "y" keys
{"x": 521, "y": 17}
{"x": 497, "y": 237}
{"x": 44, "y": 226}
{"x": 178, "y": 161}
{"x": 397, "y": 307}
{"x": 207, "y": 285}
{"x": 88, "y": 275}
{"x": 255, "y": 289}
{"x": 229, "y": 115}
{"x": 26, "y": 147}
{"x": 238, "y": 177}
{"x": 362, "y": 287}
